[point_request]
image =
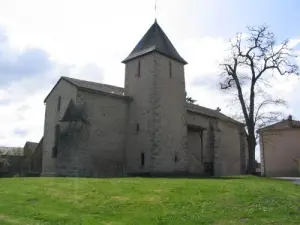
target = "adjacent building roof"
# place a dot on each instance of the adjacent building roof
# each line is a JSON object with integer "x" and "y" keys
{"x": 92, "y": 86}
{"x": 211, "y": 113}
{"x": 155, "y": 40}
{"x": 31, "y": 145}
{"x": 284, "y": 124}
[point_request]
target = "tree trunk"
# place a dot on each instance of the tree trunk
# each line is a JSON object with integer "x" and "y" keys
{"x": 251, "y": 169}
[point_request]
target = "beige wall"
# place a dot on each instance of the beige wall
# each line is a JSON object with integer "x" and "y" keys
{"x": 279, "y": 149}
{"x": 67, "y": 92}
{"x": 162, "y": 132}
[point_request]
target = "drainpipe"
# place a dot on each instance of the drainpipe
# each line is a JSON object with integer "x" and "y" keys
{"x": 201, "y": 138}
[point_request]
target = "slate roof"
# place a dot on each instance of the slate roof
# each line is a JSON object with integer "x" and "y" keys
{"x": 155, "y": 40}
{"x": 284, "y": 124}
{"x": 95, "y": 86}
{"x": 211, "y": 113}
{"x": 92, "y": 86}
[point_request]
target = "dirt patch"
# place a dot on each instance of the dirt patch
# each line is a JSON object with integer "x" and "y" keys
{"x": 9, "y": 220}
{"x": 120, "y": 198}
{"x": 153, "y": 199}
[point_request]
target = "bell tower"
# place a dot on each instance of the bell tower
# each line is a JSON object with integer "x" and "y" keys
{"x": 156, "y": 139}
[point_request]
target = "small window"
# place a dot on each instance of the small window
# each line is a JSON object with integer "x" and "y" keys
{"x": 56, "y": 141}
{"x": 58, "y": 103}
{"x": 54, "y": 152}
{"x": 139, "y": 69}
{"x": 170, "y": 69}
{"x": 143, "y": 159}
{"x": 137, "y": 127}
{"x": 175, "y": 158}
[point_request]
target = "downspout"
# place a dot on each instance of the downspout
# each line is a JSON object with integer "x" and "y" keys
{"x": 201, "y": 137}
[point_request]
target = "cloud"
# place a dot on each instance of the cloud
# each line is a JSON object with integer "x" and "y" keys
{"x": 16, "y": 64}
{"x": 20, "y": 132}
{"x": 26, "y": 77}
{"x": 22, "y": 115}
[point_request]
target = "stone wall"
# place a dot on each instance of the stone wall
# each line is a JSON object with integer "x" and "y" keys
{"x": 230, "y": 158}
{"x": 223, "y": 145}
{"x": 199, "y": 153}
{"x": 154, "y": 128}
{"x": 95, "y": 148}
{"x": 36, "y": 160}
{"x": 52, "y": 116}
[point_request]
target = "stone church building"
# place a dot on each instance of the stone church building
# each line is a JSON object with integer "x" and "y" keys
{"x": 147, "y": 127}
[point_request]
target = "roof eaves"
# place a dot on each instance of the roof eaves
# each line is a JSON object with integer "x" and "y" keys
{"x": 216, "y": 115}
{"x": 201, "y": 113}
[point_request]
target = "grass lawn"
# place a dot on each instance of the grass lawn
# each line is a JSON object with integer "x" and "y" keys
{"x": 242, "y": 200}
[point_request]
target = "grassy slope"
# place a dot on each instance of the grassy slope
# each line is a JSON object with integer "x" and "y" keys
{"x": 248, "y": 200}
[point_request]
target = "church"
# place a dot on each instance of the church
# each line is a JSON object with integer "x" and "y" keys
{"x": 98, "y": 130}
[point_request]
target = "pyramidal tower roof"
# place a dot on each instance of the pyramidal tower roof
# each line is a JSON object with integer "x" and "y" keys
{"x": 155, "y": 40}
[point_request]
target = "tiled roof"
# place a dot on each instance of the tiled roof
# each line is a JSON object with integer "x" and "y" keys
{"x": 155, "y": 39}
{"x": 210, "y": 112}
{"x": 284, "y": 124}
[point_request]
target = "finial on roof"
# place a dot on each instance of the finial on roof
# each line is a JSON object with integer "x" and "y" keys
{"x": 155, "y": 10}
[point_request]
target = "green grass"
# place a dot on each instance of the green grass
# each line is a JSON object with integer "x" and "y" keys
{"x": 141, "y": 201}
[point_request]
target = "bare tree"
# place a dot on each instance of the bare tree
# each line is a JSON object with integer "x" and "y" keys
{"x": 253, "y": 61}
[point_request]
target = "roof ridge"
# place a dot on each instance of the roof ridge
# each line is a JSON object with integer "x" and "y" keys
{"x": 107, "y": 85}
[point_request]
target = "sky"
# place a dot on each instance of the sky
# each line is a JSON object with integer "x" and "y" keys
{"x": 43, "y": 40}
